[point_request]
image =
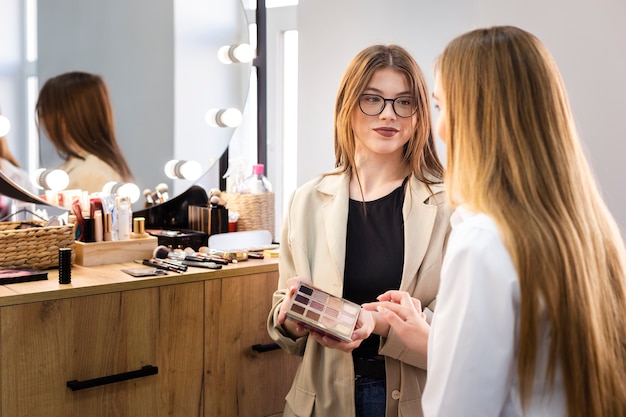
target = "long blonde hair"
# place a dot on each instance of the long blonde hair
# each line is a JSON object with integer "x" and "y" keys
{"x": 419, "y": 153}
{"x": 513, "y": 152}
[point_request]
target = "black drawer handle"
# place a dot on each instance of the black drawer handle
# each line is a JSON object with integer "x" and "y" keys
{"x": 265, "y": 348}
{"x": 147, "y": 370}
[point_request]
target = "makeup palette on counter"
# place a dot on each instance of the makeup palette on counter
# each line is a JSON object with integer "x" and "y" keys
{"x": 324, "y": 313}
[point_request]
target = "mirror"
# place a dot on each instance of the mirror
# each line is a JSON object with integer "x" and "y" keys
{"x": 159, "y": 60}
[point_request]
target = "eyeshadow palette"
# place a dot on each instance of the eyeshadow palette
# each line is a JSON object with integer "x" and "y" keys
{"x": 324, "y": 313}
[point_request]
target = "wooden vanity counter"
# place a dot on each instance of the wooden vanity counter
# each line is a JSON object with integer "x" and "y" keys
{"x": 109, "y": 344}
{"x": 91, "y": 280}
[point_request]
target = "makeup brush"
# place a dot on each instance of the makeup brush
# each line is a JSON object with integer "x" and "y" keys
{"x": 148, "y": 194}
{"x": 163, "y": 252}
{"x": 161, "y": 190}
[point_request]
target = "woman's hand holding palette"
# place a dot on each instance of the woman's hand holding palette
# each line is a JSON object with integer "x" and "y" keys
{"x": 324, "y": 313}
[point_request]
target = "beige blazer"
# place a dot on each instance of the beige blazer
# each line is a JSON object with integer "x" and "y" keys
{"x": 313, "y": 245}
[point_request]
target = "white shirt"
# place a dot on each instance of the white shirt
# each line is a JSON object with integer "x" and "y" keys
{"x": 472, "y": 347}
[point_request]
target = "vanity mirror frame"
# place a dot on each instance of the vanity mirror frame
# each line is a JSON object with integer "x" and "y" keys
{"x": 170, "y": 77}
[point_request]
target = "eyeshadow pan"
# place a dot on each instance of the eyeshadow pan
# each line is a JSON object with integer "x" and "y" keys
{"x": 320, "y": 296}
{"x": 346, "y": 318}
{"x": 312, "y": 315}
{"x": 328, "y": 322}
{"x": 350, "y": 308}
{"x": 306, "y": 290}
{"x": 297, "y": 308}
{"x": 302, "y": 299}
{"x": 334, "y": 303}
{"x": 317, "y": 306}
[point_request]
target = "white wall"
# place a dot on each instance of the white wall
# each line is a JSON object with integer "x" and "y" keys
{"x": 587, "y": 39}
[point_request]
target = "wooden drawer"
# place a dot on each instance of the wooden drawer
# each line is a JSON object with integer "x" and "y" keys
{"x": 45, "y": 345}
{"x": 242, "y": 377}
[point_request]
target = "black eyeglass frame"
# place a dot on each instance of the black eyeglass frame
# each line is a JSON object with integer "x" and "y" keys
{"x": 385, "y": 100}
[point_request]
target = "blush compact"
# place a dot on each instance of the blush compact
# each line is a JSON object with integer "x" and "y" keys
{"x": 324, "y": 313}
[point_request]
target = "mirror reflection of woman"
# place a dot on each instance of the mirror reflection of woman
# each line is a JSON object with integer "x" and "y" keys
{"x": 75, "y": 112}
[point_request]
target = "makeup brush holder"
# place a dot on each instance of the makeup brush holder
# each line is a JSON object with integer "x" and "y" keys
{"x": 33, "y": 247}
{"x": 256, "y": 211}
{"x": 210, "y": 220}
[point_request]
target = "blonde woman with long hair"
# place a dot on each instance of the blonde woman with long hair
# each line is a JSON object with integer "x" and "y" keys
{"x": 531, "y": 314}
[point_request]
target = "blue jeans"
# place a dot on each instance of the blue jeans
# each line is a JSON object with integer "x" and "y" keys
{"x": 369, "y": 397}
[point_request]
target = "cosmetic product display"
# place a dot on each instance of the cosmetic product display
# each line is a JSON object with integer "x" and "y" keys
{"x": 65, "y": 265}
{"x": 322, "y": 312}
{"x": 112, "y": 252}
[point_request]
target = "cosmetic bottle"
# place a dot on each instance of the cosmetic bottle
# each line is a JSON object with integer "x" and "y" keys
{"x": 98, "y": 226}
{"x": 124, "y": 218}
{"x": 257, "y": 182}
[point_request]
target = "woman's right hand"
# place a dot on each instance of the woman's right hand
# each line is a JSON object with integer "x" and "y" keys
{"x": 404, "y": 314}
{"x": 291, "y": 326}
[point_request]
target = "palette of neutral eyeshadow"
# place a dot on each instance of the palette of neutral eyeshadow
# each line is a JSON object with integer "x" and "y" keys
{"x": 324, "y": 313}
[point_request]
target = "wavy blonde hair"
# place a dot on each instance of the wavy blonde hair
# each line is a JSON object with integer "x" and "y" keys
{"x": 513, "y": 152}
{"x": 419, "y": 153}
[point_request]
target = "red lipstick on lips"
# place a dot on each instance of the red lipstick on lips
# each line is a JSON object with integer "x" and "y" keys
{"x": 386, "y": 131}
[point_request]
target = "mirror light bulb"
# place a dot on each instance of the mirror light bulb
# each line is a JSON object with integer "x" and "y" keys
{"x": 5, "y": 125}
{"x": 122, "y": 189}
{"x": 242, "y": 53}
{"x": 186, "y": 170}
{"x": 50, "y": 179}
{"x": 223, "y": 117}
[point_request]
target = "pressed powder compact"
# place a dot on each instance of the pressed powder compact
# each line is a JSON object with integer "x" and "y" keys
{"x": 324, "y": 313}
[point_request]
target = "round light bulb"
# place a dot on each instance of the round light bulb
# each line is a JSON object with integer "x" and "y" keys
{"x": 5, "y": 125}
{"x": 129, "y": 190}
{"x": 228, "y": 54}
{"x": 187, "y": 170}
{"x": 170, "y": 168}
{"x": 122, "y": 189}
{"x": 108, "y": 187}
{"x": 224, "y": 117}
{"x": 50, "y": 179}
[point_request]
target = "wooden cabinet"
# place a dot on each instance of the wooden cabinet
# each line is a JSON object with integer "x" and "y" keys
{"x": 198, "y": 329}
{"x": 44, "y": 345}
{"x": 239, "y": 380}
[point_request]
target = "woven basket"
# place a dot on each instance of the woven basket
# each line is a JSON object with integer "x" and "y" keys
{"x": 256, "y": 211}
{"x": 35, "y": 247}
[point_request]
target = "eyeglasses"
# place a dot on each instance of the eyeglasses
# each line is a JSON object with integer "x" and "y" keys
{"x": 373, "y": 105}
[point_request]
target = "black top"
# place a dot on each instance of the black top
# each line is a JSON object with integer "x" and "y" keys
{"x": 374, "y": 254}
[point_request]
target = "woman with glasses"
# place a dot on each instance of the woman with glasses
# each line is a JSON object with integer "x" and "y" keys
{"x": 530, "y": 318}
{"x": 378, "y": 221}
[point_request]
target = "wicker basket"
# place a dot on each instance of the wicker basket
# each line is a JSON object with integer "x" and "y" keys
{"x": 35, "y": 247}
{"x": 256, "y": 211}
